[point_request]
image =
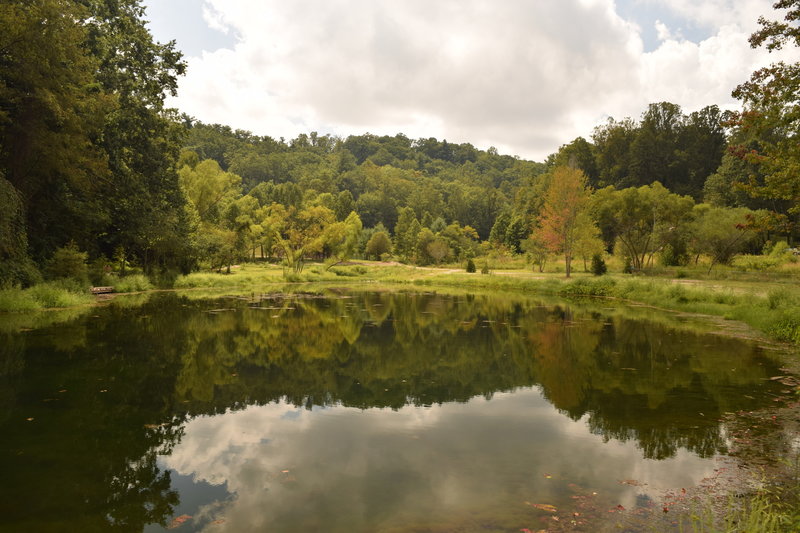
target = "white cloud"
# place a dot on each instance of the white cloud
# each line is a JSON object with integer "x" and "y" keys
{"x": 345, "y": 467}
{"x": 522, "y": 75}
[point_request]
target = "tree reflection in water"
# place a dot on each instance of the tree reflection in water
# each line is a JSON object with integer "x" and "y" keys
{"x": 109, "y": 394}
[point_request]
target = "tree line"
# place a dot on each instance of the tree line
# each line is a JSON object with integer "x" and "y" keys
{"x": 90, "y": 158}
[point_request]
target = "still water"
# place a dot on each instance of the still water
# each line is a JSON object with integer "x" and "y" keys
{"x": 360, "y": 411}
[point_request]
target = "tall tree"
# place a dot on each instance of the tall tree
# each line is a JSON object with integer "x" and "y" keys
{"x": 142, "y": 137}
{"x": 771, "y": 99}
{"x": 51, "y": 113}
{"x": 564, "y": 212}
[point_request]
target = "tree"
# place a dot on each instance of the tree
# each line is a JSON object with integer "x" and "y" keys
{"x": 207, "y": 185}
{"x": 720, "y": 232}
{"x": 771, "y": 100}
{"x": 579, "y": 154}
{"x": 404, "y": 240}
{"x": 378, "y": 244}
{"x": 588, "y": 243}
{"x": 438, "y": 249}
{"x": 536, "y": 249}
{"x": 653, "y": 152}
{"x": 341, "y": 238}
{"x": 424, "y": 238}
{"x": 299, "y": 233}
{"x": 51, "y": 115}
{"x": 141, "y": 138}
{"x": 565, "y": 205}
{"x": 642, "y": 220}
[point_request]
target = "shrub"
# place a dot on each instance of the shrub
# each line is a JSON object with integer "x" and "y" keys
{"x": 470, "y": 266}
{"x": 585, "y": 287}
{"x": 485, "y": 267}
{"x": 60, "y": 293}
{"x": 68, "y": 263}
{"x": 598, "y": 265}
{"x": 134, "y": 283}
{"x": 628, "y": 268}
{"x": 100, "y": 272}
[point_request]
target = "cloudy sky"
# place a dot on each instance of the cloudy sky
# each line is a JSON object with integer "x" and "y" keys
{"x": 524, "y": 76}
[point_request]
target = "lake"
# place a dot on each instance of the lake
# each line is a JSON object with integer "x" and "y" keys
{"x": 350, "y": 410}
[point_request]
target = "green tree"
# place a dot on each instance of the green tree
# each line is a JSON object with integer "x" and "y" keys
{"x": 51, "y": 115}
{"x": 772, "y": 113}
{"x": 721, "y": 232}
{"x": 642, "y": 220}
{"x": 207, "y": 186}
{"x": 341, "y": 238}
{"x": 141, "y": 138}
{"x": 404, "y": 238}
{"x": 378, "y": 244}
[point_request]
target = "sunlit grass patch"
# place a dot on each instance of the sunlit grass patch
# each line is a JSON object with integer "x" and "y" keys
{"x": 62, "y": 293}
{"x": 134, "y": 283}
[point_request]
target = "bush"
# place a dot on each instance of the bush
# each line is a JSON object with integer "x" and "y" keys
{"x": 585, "y": 287}
{"x": 485, "y": 267}
{"x": 470, "y": 266}
{"x": 60, "y": 293}
{"x": 628, "y": 268}
{"x": 133, "y": 283}
{"x": 598, "y": 265}
{"x": 100, "y": 272}
{"x": 68, "y": 263}
{"x": 758, "y": 263}
{"x": 19, "y": 271}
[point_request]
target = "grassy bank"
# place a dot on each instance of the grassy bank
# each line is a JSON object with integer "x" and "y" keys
{"x": 54, "y": 294}
{"x": 769, "y": 303}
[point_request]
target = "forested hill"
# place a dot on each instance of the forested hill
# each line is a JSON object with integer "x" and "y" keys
{"x": 378, "y": 175}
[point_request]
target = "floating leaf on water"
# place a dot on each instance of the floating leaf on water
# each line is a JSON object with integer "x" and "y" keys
{"x": 29, "y": 419}
{"x": 178, "y": 521}
{"x": 543, "y": 506}
{"x": 548, "y": 476}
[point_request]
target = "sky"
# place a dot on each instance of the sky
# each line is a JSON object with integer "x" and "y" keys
{"x": 524, "y": 76}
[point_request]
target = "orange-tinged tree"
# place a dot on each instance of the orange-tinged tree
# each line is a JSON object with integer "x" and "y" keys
{"x": 564, "y": 215}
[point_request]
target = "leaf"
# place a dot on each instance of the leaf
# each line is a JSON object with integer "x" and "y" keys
{"x": 178, "y": 521}
{"x": 544, "y": 507}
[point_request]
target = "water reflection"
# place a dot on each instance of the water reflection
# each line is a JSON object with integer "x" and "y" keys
{"x": 377, "y": 405}
{"x": 448, "y": 467}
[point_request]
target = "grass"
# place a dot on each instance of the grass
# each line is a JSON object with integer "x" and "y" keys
{"x": 52, "y": 294}
{"x": 768, "y": 301}
{"x": 134, "y": 283}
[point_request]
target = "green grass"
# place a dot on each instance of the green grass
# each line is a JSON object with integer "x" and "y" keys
{"x": 767, "y": 301}
{"x": 134, "y": 283}
{"x": 52, "y": 294}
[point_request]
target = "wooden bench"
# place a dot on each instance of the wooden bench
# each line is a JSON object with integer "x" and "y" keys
{"x": 102, "y": 290}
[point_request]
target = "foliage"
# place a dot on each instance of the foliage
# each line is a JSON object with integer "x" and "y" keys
{"x": 721, "y": 233}
{"x": 564, "y": 214}
{"x": 133, "y": 283}
{"x": 598, "y": 265}
{"x": 642, "y": 220}
{"x": 68, "y": 263}
{"x": 470, "y": 268}
{"x": 378, "y": 245}
{"x": 771, "y": 115}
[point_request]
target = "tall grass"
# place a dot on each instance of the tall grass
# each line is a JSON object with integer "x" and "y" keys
{"x": 134, "y": 283}
{"x": 52, "y": 294}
